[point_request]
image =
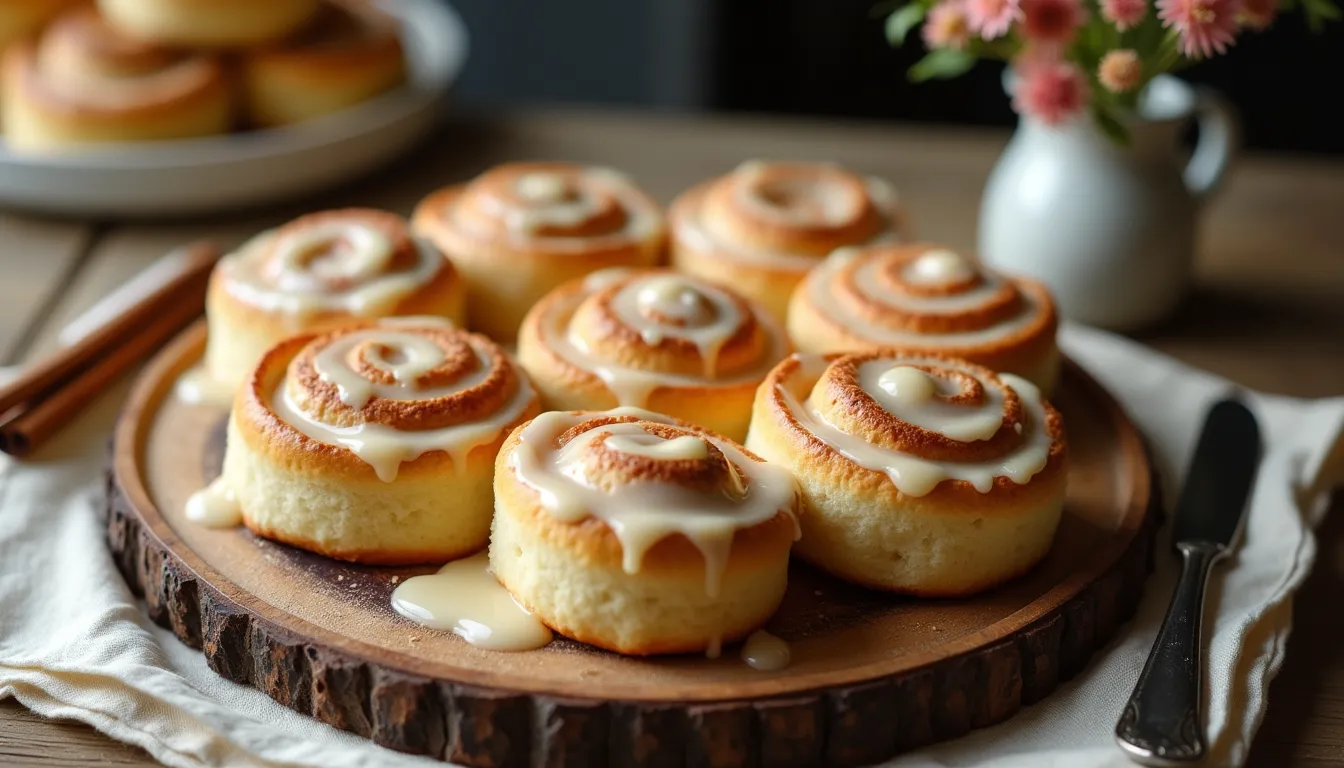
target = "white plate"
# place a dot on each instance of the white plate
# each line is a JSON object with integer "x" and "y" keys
{"x": 222, "y": 172}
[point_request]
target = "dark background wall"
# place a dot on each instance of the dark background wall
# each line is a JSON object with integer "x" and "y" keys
{"x": 829, "y": 57}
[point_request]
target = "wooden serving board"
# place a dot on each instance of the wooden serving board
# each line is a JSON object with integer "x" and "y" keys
{"x": 872, "y": 674}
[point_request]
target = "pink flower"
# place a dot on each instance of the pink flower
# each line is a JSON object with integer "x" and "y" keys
{"x": 1049, "y": 89}
{"x": 1120, "y": 70}
{"x": 1124, "y": 14}
{"x": 947, "y": 25}
{"x": 1257, "y": 14}
{"x": 1051, "y": 21}
{"x": 992, "y": 18}
{"x": 1206, "y": 26}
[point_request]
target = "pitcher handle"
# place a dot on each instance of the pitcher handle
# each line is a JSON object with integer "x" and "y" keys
{"x": 1218, "y": 144}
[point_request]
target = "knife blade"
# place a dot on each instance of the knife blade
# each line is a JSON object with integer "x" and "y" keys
{"x": 1162, "y": 723}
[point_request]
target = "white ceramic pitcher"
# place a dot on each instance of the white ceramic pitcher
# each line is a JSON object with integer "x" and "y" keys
{"x": 1110, "y": 229}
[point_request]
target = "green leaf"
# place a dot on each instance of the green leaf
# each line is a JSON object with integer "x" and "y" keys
{"x": 902, "y": 21}
{"x": 942, "y": 64}
{"x": 885, "y": 7}
{"x": 1110, "y": 126}
{"x": 1318, "y": 13}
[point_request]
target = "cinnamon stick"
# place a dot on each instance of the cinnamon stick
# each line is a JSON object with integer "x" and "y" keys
{"x": 49, "y": 395}
{"x": 182, "y": 287}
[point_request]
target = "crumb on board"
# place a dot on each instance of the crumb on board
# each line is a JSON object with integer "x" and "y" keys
{"x": 395, "y": 579}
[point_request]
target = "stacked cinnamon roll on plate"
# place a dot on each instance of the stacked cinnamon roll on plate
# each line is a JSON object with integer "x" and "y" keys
{"x": 640, "y": 475}
{"x": 156, "y": 107}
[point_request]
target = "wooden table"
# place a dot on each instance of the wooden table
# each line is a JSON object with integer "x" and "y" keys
{"x": 1268, "y": 311}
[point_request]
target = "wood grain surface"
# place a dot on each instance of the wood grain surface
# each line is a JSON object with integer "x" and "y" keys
{"x": 1267, "y": 311}
{"x": 871, "y": 675}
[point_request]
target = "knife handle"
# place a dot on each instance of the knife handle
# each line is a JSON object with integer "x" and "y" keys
{"x": 1161, "y": 724}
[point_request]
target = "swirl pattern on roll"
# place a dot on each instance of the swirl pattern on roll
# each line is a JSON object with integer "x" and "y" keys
{"x": 82, "y": 80}
{"x": 785, "y": 215}
{"x": 922, "y": 420}
{"x": 391, "y": 392}
{"x": 357, "y": 262}
{"x": 553, "y": 208}
{"x": 648, "y": 477}
{"x": 929, "y": 297}
{"x": 640, "y": 330}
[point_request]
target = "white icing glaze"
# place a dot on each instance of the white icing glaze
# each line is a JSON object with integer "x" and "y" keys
{"x": 198, "y": 387}
{"x": 382, "y": 446}
{"x": 214, "y": 506}
{"x": 939, "y": 266}
{"x": 641, "y": 513}
{"x": 765, "y": 652}
{"x": 718, "y": 321}
{"x": 464, "y": 597}
{"x": 297, "y": 287}
{"x": 541, "y": 187}
{"x": 565, "y": 200}
{"x": 697, "y": 233}
{"x": 867, "y": 282}
{"x": 915, "y": 475}
{"x": 685, "y": 448}
{"x": 910, "y": 395}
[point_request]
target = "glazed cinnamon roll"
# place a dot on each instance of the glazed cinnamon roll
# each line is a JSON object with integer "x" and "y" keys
{"x": 349, "y": 53}
{"x": 83, "y": 82}
{"x": 375, "y": 443}
{"x": 651, "y": 339}
{"x": 319, "y": 271}
{"x": 637, "y": 533}
{"x": 760, "y": 228}
{"x": 521, "y": 229}
{"x": 927, "y": 297}
{"x": 209, "y": 22}
{"x": 920, "y": 473}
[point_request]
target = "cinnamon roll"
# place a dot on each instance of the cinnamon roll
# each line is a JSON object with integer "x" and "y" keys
{"x": 521, "y": 229}
{"x": 760, "y": 228}
{"x": 927, "y": 297}
{"x": 920, "y": 473}
{"x": 651, "y": 339}
{"x": 348, "y": 54}
{"x": 637, "y": 533}
{"x": 375, "y": 443}
{"x": 319, "y": 271}
{"x": 209, "y": 22}
{"x": 83, "y": 82}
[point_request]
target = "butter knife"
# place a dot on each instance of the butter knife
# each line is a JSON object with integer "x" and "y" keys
{"x": 1163, "y": 724}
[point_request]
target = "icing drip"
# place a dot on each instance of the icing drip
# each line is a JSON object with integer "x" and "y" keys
{"x": 643, "y": 512}
{"x": 331, "y": 267}
{"x": 765, "y": 652}
{"x": 915, "y": 475}
{"x": 942, "y": 268}
{"x": 198, "y": 387}
{"x": 382, "y": 446}
{"x": 658, "y": 307}
{"x": 214, "y": 506}
{"x": 464, "y": 597}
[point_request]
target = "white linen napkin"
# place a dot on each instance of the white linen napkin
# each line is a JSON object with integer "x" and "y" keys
{"x": 75, "y": 644}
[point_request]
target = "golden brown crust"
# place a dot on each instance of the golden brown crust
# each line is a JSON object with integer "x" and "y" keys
{"x": 362, "y": 555}
{"x": 282, "y": 444}
{"x": 862, "y": 416}
{"x": 858, "y": 284}
{"x": 683, "y": 383}
{"x": 512, "y": 251}
{"x": 674, "y": 556}
{"x": 82, "y": 81}
{"x": 209, "y": 23}
{"x": 348, "y": 53}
